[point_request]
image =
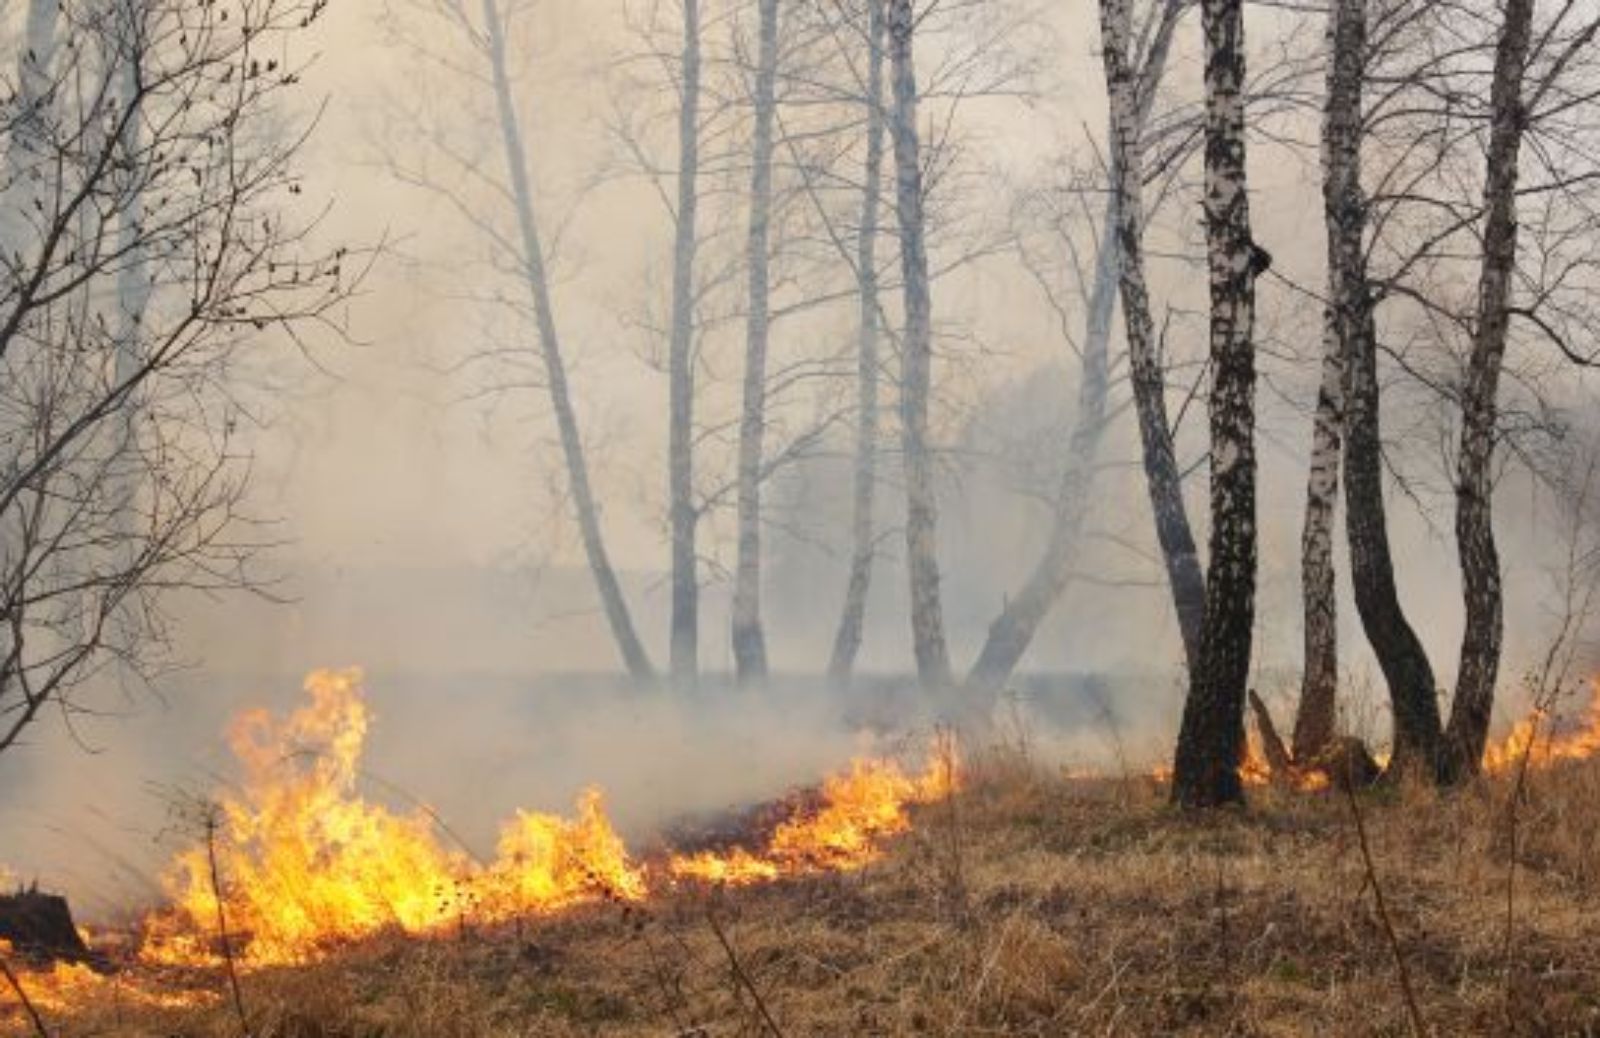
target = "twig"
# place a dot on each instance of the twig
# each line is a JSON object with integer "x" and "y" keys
{"x": 739, "y": 974}
{"x": 22, "y": 996}
{"x": 1418, "y": 1028}
{"x": 222, "y": 925}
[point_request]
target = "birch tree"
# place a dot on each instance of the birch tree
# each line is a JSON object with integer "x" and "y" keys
{"x": 864, "y": 481}
{"x": 1210, "y": 742}
{"x": 1482, "y": 592}
{"x": 683, "y": 515}
{"x": 487, "y": 35}
{"x": 922, "y": 509}
{"x": 749, "y": 639}
{"x": 1130, "y": 100}
{"x": 1316, "y": 721}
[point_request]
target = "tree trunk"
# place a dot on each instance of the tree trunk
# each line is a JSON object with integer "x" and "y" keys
{"x": 749, "y": 640}
{"x": 685, "y": 648}
{"x": 863, "y": 533}
{"x": 587, "y": 512}
{"x": 1317, "y": 719}
{"x": 1400, "y": 653}
{"x": 922, "y": 515}
{"x": 1128, "y": 104}
{"x": 1401, "y": 657}
{"x": 1480, "y": 561}
{"x": 1013, "y": 630}
{"x": 1211, "y": 739}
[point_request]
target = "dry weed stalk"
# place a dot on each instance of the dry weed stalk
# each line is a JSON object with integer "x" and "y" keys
{"x": 740, "y": 975}
{"x": 22, "y": 996}
{"x": 1578, "y": 584}
{"x": 1418, "y": 1027}
{"x": 211, "y": 820}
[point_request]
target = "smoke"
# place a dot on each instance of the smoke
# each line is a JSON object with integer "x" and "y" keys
{"x": 429, "y": 539}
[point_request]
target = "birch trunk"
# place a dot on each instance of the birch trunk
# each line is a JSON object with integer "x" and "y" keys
{"x": 1317, "y": 719}
{"x": 587, "y": 512}
{"x": 863, "y": 530}
{"x": 1480, "y": 560}
{"x": 1162, "y": 478}
{"x": 922, "y": 516}
{"x": 684, "y": 518}
{"x": 749, "y": 640}
{"x": 1212, "y": 736}
{"x": 1014, "y": 629}
{"x": 1400, "y": 653}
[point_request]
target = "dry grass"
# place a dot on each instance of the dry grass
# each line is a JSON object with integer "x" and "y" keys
{"x": 1032, "y": 905}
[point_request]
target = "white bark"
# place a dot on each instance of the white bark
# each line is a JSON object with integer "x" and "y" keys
{"x": 532, "y": 263}
{"x": 684, "y": 515}
{"x": 749, "y": 639}
{"x": 863, "y": 535}
{"x": 922, "y": 509}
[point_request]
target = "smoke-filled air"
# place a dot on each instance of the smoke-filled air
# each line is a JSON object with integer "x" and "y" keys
{"x": 775, "y": 518}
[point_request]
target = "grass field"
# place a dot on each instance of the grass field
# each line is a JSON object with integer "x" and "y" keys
{"x": 1031, "y": 904}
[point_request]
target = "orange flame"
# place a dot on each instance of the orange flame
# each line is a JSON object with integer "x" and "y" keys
{"x": 300, "y": 862}
{"x": 860, "y": 808}
{"x": 1546, "y": 744}
{"x": 303, "y": 861}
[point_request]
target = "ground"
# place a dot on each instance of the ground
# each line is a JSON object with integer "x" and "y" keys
{"x": 1034, "y": 903}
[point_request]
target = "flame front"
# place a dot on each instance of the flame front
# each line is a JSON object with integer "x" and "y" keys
{"x": 860, "y": 807}
{"x": 298, "y": 861}
{"x": 1545, "y": 745}
{"x": 302, "y": 861}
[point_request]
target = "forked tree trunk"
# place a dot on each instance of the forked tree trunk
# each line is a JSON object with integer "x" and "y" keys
{"x": 684, "y": 516}
{"x": 749, "y": 640}
{"x": 1317, "y": 719}
{"x": 1162, "y": 479}
{"x": 1211, "y": 739}
{"x": 922, "y": 514}
{"x": 863, "y": 528}
{"x": 1400, "y": 653}
{"x": 1480, "y": 561}
{"x": 586, "y": 511}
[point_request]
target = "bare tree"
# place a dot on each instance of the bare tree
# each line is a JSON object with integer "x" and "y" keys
{"x": 1210, "y": 742}
{"x": 486, "y": 35}
{"x": 922, "y": 508}
{"x": 1132, "y": 79}
{"x": 1316, "y": 722}
{"x": 151, "y": 256}
{"x": 749, "y": 639}
{"x": 1480, "y": 560}
{"x": 1130, "y": 101}
{"x": 863, "y": 528}
{"x": 683, "y": 514}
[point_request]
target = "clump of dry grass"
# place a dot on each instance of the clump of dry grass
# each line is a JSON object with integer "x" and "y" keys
{"x": 1032, "y": 905}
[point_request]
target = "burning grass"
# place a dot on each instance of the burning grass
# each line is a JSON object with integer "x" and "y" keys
{"x": 1028, "y": 902}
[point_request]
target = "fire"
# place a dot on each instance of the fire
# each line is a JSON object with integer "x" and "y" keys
{"x": 860, "y": 807}
{"x": 298, "y": 862}
{"x": 302, "y": 861}
{"x": 1544, "y": 744}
